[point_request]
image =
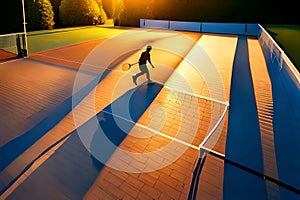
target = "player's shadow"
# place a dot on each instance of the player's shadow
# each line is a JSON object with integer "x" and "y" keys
{"x": 118, "y": 118}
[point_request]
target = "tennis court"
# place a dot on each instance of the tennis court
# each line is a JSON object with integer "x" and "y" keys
{"x": 216, "y": 123}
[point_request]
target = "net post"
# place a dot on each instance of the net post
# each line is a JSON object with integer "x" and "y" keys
{"x": 21, "y": 45}
{"x": 18, "y": 41}
{"x": 24, "y": 45}
{"x": 202, "y": 153}
{"x": 24, "y": 37}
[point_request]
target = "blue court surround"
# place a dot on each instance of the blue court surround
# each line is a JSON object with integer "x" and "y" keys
{"x": 286, "y": 126}
{"x": 243, "y": 164}
{"x": 243, "y": 143}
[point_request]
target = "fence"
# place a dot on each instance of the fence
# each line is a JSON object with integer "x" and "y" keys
{"x": 269, "y": 46}
{"x": 207, "y": 27}
{"x": 278, "y": 58}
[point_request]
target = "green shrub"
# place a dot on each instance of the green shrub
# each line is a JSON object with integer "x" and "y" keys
{"x": 78, "y": 12}
{"x": 39, "y": 14}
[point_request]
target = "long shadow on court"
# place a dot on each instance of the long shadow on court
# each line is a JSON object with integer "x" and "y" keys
{"x": 73, "y": 168}
{"x": 243, "y": 143}
{"x": 14, "y": 148}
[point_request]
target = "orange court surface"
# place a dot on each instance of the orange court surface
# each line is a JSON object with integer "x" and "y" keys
{"x": 73, "y": 125}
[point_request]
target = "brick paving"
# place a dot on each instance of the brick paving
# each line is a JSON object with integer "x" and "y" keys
{"x": 164, "y": 184}
{"x": 86, "y": 110}
{"x": 28, "y": 92}
{"x": 168, "y": 134}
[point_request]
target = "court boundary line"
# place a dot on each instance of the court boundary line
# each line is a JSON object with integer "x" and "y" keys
{"x": 65, "y": 60}
{"x": 59, "y": 141}
{"x": 154, "y": 131}
{"x": 197, "y": 95}
{"x": 118, "y": 70}
{"x": 252, "y": 171}
{"x": 166, "y": 86}
{"x": 49, "y": 148}
{"x": 95, "y": 67}
{"x": 203, "y": 154}
{"x": 50, "y": 64}
{"x": 201, "y": 146}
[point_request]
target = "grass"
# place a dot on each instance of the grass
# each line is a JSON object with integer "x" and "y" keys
{"x": 49, "y": 39}
{"x": 288, "y": 38}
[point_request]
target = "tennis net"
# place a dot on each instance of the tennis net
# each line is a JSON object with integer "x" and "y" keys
{"x": 12, "y": 46}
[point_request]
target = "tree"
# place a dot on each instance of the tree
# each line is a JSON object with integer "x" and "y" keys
{"x": 132, "y": 12}
{"x": 39, "y": 14}
{"x": 108, "y": 7}
{"x": 11, "y": 17}
{"x": 79, "y": 12}
{"x": 55, "y": 5}
{"x": 117, "y": 11}
{"x": 102, "y": 17}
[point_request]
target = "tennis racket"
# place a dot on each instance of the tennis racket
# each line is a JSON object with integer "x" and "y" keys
{"x": 127, "y": 66}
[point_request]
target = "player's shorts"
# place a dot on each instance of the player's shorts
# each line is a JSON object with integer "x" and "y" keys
{"x": 144, "y": 68}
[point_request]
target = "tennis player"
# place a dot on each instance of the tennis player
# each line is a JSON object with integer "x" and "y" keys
{"x": 145, "y": 56}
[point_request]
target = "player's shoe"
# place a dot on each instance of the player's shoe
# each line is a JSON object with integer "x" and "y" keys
{"x": 134, "y": 80}
{"x": 150, "y": 82}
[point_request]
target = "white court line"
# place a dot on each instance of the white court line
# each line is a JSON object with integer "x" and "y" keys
{"x": 155, "y": 131}
{"x": 197, "y": 95}
{"x": 65, "y": 60}
{"x": 10, "y": 61}
{"x": 168, "y": 87}
{"x": 76, "y": 62}
{"x": 169, "y": 137}
{"x": 190, "y": 93}
{"x": 201, "y": 146}
{"x": 198, "y": 148}
{"x": 213, "y": 130}
{"x": 173, "y": 138}
{"x": 213, "y": 151}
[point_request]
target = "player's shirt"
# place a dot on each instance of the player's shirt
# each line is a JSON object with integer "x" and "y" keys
{"x": 144, "y": 57}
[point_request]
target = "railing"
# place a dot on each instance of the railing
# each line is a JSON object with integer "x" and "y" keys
{"x": 247, "y": 29}
{"x": 276, "y": 54}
